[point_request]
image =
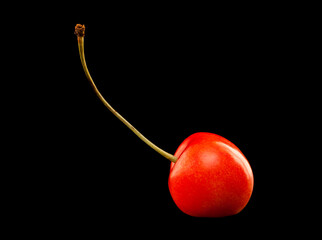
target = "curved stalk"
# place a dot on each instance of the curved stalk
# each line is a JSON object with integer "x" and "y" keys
{"x": 80, "y": 32}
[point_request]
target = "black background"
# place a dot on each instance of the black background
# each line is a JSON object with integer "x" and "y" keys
{"x": 171, "y": 71}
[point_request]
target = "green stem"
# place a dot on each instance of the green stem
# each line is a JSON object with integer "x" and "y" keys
{"x": 80, "y": 32}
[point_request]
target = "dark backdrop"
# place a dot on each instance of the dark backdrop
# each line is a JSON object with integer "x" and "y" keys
{"x": 170, "y": 74}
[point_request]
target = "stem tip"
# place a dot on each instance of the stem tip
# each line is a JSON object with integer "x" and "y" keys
{"x": 80, "y": 30}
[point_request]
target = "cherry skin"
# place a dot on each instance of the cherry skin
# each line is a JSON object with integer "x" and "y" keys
{"x": 211, "y": 177}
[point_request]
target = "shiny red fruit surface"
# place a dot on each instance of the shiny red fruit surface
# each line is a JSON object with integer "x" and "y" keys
{"x": 211, "y": 178}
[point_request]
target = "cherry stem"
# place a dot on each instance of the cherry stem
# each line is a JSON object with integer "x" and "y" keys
{"x": 80, "y": 32}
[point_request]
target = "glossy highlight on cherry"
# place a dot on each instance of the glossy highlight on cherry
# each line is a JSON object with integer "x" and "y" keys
{"x": 209, "y": 175}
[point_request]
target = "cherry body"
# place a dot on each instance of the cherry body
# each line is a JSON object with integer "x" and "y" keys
{"x": 211, "y": 178}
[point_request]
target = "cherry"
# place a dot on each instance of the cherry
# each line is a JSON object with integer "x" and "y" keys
{"x": 209, "y": 175}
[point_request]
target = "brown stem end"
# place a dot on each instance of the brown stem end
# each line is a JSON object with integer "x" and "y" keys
{"x": 80, "y": 30}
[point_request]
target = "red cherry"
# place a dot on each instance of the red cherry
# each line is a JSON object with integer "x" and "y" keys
{"x": 211, "y": 177}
